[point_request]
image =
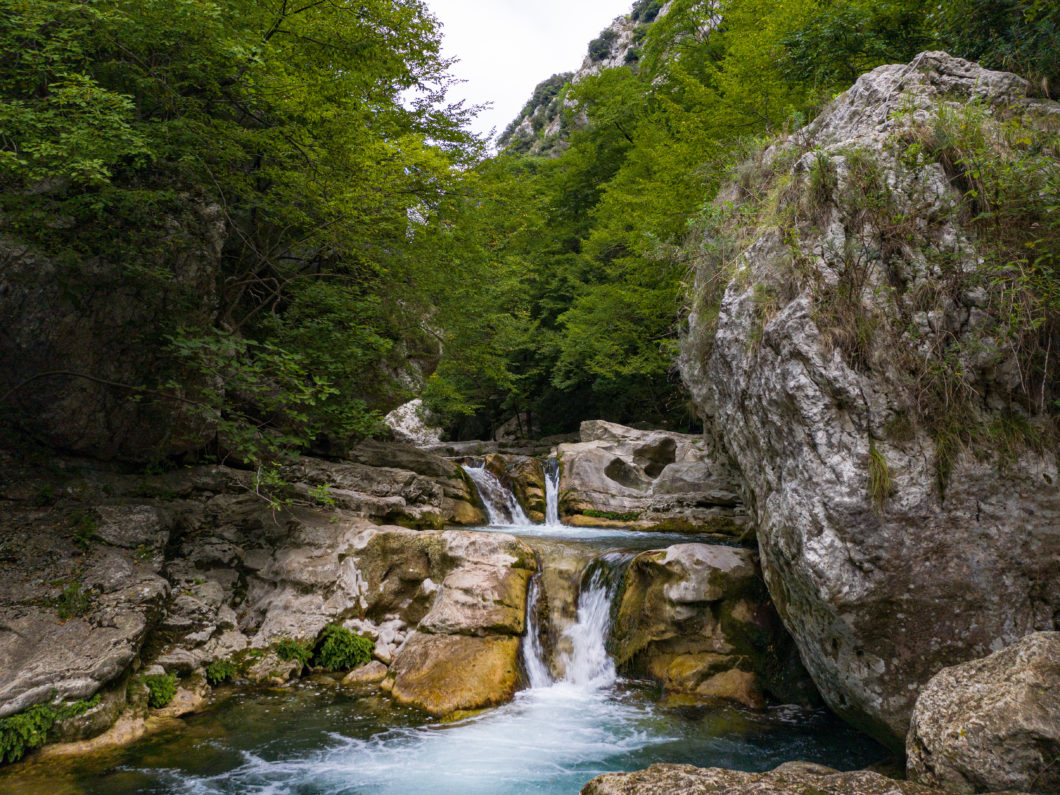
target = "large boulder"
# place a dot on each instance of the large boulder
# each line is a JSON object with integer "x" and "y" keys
{"x": 793, "y": 778}
{"x": 697, "y": 619}
{"x": 905, "y": 495}
{"x": 650, "y": 480}
{"x": 442, "y": 674}
{"x": 410, "y": 423}
{"x": 991, "y": 724}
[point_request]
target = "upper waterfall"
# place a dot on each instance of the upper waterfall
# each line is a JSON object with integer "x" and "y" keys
{"x": 551, "y": 468}
{"x": 501, "y": 506}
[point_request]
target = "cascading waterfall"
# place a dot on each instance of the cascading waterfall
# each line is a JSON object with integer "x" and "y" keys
{"x": 587, "y": 665}
{"x": 533, "y": 653}
{"x": 551, "y": 468}
{"x": 501, "y": 506}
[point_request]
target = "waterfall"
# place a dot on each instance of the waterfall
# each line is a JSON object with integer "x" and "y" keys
{"x": 503, "y": 509}
{"x": 551, "y": 468}
{"x": 587, "y": 665}
{"x": 533, "y": 654}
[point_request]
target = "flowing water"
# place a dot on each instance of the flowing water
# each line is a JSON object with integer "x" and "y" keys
{"x": 552, "y": 738}
{"x": 501, "y": 506}
{"x": 552, "y": 493}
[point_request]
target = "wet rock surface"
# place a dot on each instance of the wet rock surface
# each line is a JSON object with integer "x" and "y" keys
{"x": 993, "y": 723}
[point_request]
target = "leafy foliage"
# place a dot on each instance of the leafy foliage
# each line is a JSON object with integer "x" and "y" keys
{"x": 29, "y": 729}
{"x": 317, "y": 138}
{"x": 338, "y": 649}
{"x": 289, "y": 649}
{"x": 220, "y": 671}
{"x": 161, "y": 688}
{"x": 600, "y": 47}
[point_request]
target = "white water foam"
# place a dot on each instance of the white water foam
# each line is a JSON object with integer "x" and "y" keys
{"x": 552, "y": 493}
{"x": 501, "y": 506}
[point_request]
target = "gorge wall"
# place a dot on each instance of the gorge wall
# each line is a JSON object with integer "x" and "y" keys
{"x": 849, "y": 344}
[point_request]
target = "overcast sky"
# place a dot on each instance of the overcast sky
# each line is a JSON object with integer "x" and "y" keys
{"x": 506, "y": 47}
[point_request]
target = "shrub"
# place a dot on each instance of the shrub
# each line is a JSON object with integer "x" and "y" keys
{"x": 161, "y": 688}
{"x": 600, "y": 48}
{"x": 220, "y": 671}
{"x": 646, "y": 10}
{"x": 881, "y": 484}
{"x": 288, "y": 649}
{"x": 29, "y": 729}
{"x": 338, "y": 649}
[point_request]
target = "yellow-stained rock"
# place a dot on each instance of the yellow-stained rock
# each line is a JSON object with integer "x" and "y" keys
{"x": 733, "y": 685}
{"x": 441, "y": 674}
{"x": 466, "y": 514}
{"x": 369, "y": 674}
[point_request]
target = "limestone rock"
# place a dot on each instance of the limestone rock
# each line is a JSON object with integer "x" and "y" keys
{"x": 650, "y": 480}
{"x": 793, "y": 778}
{"x": 697, "y": 618}
{"x": 410, "y": 425}
{"x": 391, "y": 484}
{"x": 441, "y": 674}
{"x": 71, "y": 638}
{"x": 879, "y": 591}
{"x": 993, "y": 723}
{"x": 370, "y": 674}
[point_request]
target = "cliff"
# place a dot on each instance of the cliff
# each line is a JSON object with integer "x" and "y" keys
{"x": 872, "y": 333}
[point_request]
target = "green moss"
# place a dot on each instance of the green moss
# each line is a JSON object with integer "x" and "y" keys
{"x": 29, "y": 729}
{"x": 44, "y": 497}
{"x": 85, "y": 524}
{"x": 161, "y": 688}
{"x": 289, "y": 649}
{"x": 632, "y": 516}
{"x": 338, "y": 649}
{"x": 220, "y": 671}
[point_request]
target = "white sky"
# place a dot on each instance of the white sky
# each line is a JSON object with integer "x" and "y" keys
{"x": 506, "y": 47}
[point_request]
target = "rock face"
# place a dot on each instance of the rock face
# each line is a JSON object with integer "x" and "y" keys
{"x": 181, "y": 570}
{"x": 393, "y": 484}
{"x": 991, "y": 724}
{"x": 890, "y": 550}
{"x": 696, "y": 618}
{"x": 72, "y": 622}
{"x": 794, "y": 778}
{"x": 441, "y": 674}
{"x": 90, "y": 320}
{"x": 650, "y": 480}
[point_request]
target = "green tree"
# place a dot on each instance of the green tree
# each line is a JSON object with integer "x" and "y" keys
{"x": 318, "y": 129}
